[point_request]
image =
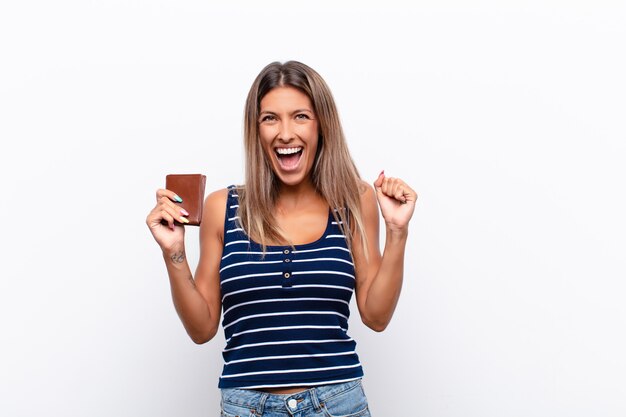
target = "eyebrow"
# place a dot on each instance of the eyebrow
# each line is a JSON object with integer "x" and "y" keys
{"x": 293, "y": 112}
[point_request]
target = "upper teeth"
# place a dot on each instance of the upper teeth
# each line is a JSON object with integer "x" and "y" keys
{"x": 287, "y": 151}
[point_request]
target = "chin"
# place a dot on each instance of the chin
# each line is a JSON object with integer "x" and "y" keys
{"x": 291, "y": 180}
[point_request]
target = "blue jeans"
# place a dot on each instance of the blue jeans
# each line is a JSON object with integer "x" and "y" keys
{"x": 336, "y": 400}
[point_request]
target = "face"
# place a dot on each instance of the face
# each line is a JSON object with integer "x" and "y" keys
{"x": 289, "y": 134}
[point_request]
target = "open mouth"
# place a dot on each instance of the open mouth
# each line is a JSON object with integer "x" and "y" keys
{"x": 288, "y": 158}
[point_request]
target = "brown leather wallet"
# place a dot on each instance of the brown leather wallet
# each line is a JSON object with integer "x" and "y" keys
{"x": 189, "y": 187}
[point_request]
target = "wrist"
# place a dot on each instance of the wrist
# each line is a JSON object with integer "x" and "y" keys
{"x": 397, "y": 234}
{"x": 175, "y": 254}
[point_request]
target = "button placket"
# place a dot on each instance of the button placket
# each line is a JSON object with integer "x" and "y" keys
{"x": 287, "y": 272}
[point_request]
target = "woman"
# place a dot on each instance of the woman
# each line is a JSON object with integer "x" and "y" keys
{"x": 283, "y": 254}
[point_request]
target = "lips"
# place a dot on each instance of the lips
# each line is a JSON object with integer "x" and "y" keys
{"x": 289, "y": 157}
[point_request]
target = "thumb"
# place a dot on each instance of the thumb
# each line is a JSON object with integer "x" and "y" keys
{"x": 379, "y": 181}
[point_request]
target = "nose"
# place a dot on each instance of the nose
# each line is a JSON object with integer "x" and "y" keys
{"x": 285, "y": 132}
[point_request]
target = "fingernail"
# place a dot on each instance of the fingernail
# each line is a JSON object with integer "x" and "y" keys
{"x": 184, "y": 220}
{"x": 381, "y": 173}
{"x": 172, "y": 226}
{"x": 178, "y": 199}
{"x": 184, "y": 212}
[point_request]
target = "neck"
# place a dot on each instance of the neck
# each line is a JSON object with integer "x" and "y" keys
{"x": 294, "y": 196}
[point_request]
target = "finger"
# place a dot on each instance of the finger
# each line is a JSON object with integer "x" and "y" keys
{"x": 175, "y": 209}
{"x": 162, "y": 192}
{"x": 408, "y": 193}
{"x": 167, "y": 218}
{"x": 387, "y": 186}
{"x": 398, "y": 192}
{"x": 167, "y": 212}
{"x": 379, "y": 181}
{"x": 394, "y": 190}
{"x": 175, "y": 212}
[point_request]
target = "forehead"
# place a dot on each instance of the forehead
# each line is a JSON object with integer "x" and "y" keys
{"x": 285, "y": 97}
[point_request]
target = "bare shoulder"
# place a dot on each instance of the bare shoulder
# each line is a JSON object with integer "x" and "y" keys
{"x": 216, "y": 199}
{"x": 369, "y": 204}
{"x": 367, "y": 195}
{"x": 213, "y": 212}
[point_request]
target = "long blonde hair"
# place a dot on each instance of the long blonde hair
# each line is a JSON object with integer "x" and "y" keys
{"x": 334, "y": 173}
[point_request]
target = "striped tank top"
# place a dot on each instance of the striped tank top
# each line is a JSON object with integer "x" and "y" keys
{"x": 285, "y": 314}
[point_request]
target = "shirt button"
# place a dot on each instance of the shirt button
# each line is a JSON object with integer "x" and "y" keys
{"x": 286, "y": 251}
{"x": 292, "y": 403}
{"x": 287, "y": 260}
{"x": 287, "y": 275}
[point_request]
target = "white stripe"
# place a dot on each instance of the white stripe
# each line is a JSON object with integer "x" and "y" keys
{"x": 288, "y": 313}
{"x": 237, "y": 241}
{"x": 336, "y": 222}
{"x": 319, "y": 249}
{"x": 324, "y": 259}
{"x": 305, "y": 384}
{"x": 250, "y": 263}
{"x": 234, "y": 206}
{"x": 288, "y": 342}
{"x": 329, "y": 236}
{"x": 234, "y": 230}
{"x": 267, "y": 329}
{"x": 233, "y": 218}
{"x": 280, "y": 300}
{"x": 234, "y": 195}
{"x": 337, "y": 287}
{"x": 250, "y": 252}
{"x": 322, "y": 272}
{"x": 286, "y": 371}
{"x": 267, "y": 358}
{"x": 273, "y": 287}
{"x": 269, "y": 287}
{"x": 251, "y": 276}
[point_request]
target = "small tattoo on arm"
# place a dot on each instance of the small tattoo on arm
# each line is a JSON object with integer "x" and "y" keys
{"x": 178, "y": 257}
{"x": 193, "y": 282}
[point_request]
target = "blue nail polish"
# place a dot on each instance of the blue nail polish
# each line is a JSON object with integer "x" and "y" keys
{"x": 178, "y": 199}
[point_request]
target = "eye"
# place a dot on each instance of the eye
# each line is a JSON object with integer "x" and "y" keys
{"x": 302, "y": 116}
{"x": 268, "y": 118}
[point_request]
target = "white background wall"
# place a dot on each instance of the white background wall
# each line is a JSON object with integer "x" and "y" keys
{"x": 506, "y": 117}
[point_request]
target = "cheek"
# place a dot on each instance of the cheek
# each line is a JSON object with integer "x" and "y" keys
{"x": 315, "y": 137}
{"x": 310, "y": 133}
{"x": 265, "y": 133}
{"x": 265, "y": 137}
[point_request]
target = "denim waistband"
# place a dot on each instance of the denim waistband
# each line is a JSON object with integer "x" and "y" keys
{"x": 303, "y": 400}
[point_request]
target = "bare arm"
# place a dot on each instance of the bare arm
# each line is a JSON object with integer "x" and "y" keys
{"x": 197, "y": 300}
{"x": 379, "y": 278}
